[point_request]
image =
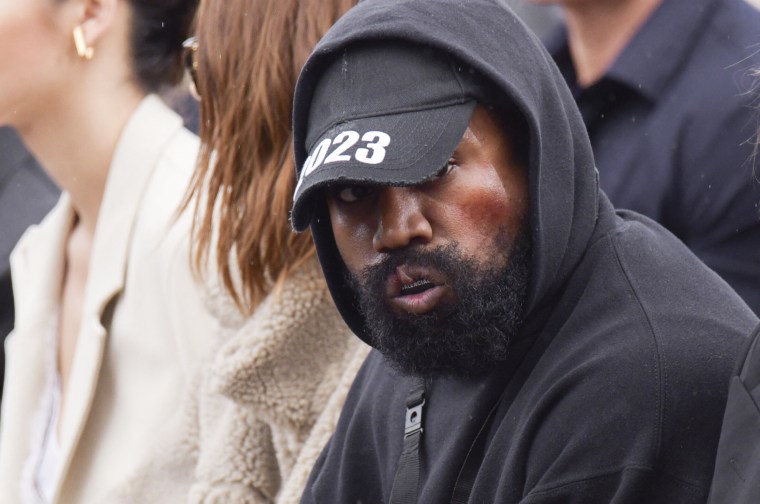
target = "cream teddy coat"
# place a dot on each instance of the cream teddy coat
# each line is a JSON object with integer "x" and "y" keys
{"x": 266, "y": 405}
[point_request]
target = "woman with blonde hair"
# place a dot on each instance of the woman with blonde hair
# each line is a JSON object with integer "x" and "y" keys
{"x": 110, "y": 325}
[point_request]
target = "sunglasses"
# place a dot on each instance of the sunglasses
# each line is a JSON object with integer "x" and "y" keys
{"x": 190, "y": 60}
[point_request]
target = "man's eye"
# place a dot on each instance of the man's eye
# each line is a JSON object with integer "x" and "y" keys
{"x": 351, "y": 194}
{"x": 446, "y": 168}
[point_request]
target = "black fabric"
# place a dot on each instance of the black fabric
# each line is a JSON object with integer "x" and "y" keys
{"x": 523, "y": 359}
{"x": 672, "y": 126}
{"x": 407, "y": 479}
{"x": 625, "y": 399}
{"x": 737, "y": 467}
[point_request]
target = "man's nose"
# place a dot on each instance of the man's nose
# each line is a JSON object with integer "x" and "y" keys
{"x": 402, "y": 219}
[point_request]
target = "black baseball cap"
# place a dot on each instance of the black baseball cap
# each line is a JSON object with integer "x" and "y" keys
{"x": 383, "y": 113}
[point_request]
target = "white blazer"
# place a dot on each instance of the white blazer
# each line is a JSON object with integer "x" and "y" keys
{"x": 144, "y": 328}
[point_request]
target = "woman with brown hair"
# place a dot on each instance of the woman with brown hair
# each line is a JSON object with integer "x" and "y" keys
{"x": 272, "y": 396}
{"x": 110, "y": 326}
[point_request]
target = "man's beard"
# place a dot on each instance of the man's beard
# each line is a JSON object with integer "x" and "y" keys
{"x": 468, "y": 338}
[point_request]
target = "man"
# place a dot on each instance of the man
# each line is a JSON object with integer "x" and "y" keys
{"x": 532, "y": 345}
{"x": 665, "y": 89}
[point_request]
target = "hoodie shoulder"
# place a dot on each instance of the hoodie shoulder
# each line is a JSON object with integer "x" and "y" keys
{"x": 638, "y": 373}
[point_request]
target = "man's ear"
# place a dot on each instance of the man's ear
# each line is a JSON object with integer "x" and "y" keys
{"x": 96, "y": 17}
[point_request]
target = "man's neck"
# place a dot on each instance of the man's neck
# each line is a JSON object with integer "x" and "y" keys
{"x": 598, "y": 31}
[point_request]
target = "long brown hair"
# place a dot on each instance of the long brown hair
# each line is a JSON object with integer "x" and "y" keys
{"x": 250, "y": 53}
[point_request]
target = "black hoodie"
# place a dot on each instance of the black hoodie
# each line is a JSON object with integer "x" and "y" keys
{"x": 629, "y": 339}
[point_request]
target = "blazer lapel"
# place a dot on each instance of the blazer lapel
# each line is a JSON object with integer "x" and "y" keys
{"x": 140, "y": 147}
{"x": 37, "y": 268}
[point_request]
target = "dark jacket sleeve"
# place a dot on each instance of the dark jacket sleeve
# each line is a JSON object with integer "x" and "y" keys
{"x": 737, "y": 467}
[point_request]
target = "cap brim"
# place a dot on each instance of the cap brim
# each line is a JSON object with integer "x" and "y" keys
{"x": 419, "y": 143}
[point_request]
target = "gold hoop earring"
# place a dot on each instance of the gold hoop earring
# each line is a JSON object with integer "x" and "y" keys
{"x": 83, "y": 50}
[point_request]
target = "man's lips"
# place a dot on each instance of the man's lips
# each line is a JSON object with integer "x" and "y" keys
{"x": 416, "y": 289}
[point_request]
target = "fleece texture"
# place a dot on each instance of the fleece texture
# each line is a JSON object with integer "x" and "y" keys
{"x": 261, "y": 412}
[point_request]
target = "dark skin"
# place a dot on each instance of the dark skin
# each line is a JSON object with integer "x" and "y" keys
{"x": 482, "y": 190}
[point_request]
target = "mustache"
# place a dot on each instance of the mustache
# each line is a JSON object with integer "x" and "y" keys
{"x": 443, "y": 259}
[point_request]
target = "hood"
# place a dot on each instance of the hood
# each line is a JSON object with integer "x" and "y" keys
{"x": 486, "y": 35}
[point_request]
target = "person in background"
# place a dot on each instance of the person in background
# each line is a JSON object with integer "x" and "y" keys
{"x": 26, "y": 195}
{"x": 263, "y": 409}
{"x": 663, "y": 87}
{"x": 531, "y": 343}
{"x": 110, "y": 324}
{"x": 540, "y": 19}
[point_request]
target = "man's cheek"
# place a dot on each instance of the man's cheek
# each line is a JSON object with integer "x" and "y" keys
{"x": 356, "y": 250}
